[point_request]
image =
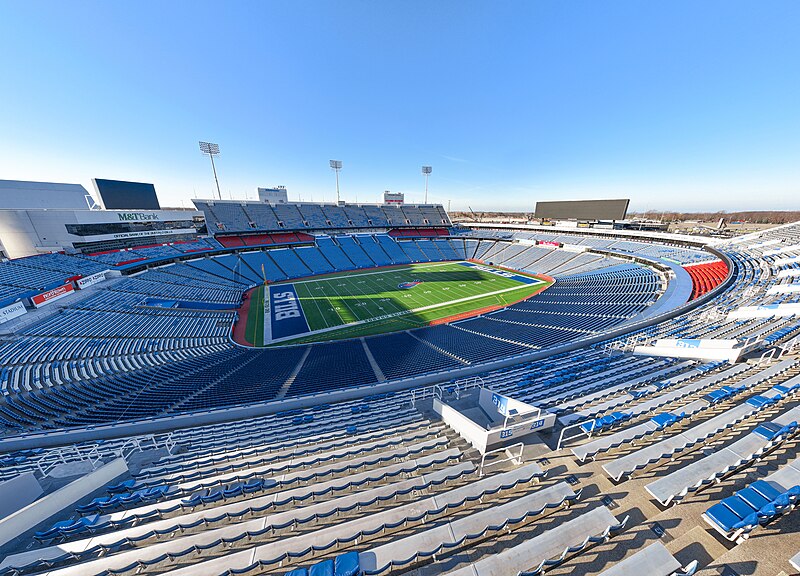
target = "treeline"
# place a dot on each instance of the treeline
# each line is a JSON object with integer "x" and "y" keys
{"x": 749, "y": 216}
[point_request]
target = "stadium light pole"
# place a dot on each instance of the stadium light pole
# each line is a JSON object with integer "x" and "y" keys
{"x": 426, "y": 170}
{"x": 336, "y": 165}
{"x": 210, "y": 149}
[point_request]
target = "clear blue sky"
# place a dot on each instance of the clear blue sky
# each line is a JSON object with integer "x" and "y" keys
{"x": 677, "y": 105}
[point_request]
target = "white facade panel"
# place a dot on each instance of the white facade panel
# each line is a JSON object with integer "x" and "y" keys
{"x": 28, "y": 232}
{"x": 22, "y": 195}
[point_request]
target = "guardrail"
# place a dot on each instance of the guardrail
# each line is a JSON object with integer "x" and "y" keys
{"x": 439, "y": 390}
{"x": 505, "y": 449}
{"x": 562, "y": 439}
{"x": 94, "y": 455}
{"x": 66, "y": 455}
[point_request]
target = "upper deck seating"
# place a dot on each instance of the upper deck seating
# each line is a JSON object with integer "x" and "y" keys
{"x": 289, "y": 217}
{"x": 230, "y": 521}
{"x": 336, "y": 216}
{"x": 375, "y": 215}
{"x": 261, "y": 216}
{"x": 321, "y": 539}
{"x": 654, "y": 403}
{"x": 314, "y": 216}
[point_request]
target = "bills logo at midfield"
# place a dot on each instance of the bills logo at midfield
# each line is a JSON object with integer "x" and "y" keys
{"x": 409, "y": 285}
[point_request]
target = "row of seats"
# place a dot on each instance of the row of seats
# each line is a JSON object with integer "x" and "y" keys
{"x": 706, "y": 276}
{"x": 244, "y": 216}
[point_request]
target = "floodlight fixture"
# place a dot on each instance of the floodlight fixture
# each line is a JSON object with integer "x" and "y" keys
{"x": 426, "y": 170}
{"x": 336, "y": 165}
{"x": 210, "y": 149}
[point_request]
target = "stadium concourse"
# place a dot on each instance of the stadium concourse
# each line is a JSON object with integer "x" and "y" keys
{"x": 139, "y": 438}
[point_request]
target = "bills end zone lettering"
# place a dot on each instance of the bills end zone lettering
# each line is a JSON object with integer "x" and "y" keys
{"x": 286, "y": 314}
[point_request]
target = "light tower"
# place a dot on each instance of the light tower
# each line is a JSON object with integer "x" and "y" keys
{"x": 210, "y": 149}
{"x": 426, "y": 170}
{"x": 336, "y": 165}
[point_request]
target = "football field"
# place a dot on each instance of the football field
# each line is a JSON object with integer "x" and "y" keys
{"x": 365, "y": 302}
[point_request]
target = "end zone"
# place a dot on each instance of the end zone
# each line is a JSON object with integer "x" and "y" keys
{"x": 286, "y": 316}
{"x": 504, "y": 273}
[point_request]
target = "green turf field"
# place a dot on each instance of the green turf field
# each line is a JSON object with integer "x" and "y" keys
{"x": 366, "y": 302}
{"x": 255, "y": 319}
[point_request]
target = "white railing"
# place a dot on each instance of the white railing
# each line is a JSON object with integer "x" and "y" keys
{"x": 95, "y": 453}
{"x": 423, "y": 393}
{"x": 60, "y": 456}
{"x": 581, "y": 433}
{"x": 714, "y": 315}
{"x": 788, "y": 347}
{"x": 517, "y": 459}
{"x": 526, "y": 415}
{"x": 767, "y": 357}
{"x": 468, "y": 384}
{"x": 141, "y": 443}
{"x": 750, "y": 341}
{"x": 439, "y": 390}
{"x": 628, "y": 344}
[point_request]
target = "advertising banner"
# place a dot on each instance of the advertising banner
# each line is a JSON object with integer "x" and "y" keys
{"x": 52, "y": 295}
{"x": 11, "y": 311}
{"x": 90, "y": 280}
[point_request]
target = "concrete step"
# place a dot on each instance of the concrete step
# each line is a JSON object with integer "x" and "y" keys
{"x": 696, "y": 544}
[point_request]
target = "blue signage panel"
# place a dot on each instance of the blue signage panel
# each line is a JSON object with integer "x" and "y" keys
{"x": 500, "y": 402}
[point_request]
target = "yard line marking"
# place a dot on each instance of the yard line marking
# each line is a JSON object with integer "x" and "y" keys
{"x": 355, "y": 274}
{"x": 322, "y": 316}
{"x": 386, "y": 316}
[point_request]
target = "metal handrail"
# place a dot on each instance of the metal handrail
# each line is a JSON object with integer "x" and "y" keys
{"x": 506, "y": 449}
{"x": 561, "y": 438}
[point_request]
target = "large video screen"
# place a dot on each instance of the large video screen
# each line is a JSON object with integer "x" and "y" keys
{"x": 122, "y": 195}
{"x": 583, "y": 209}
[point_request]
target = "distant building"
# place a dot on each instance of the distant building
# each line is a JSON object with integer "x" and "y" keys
{"x": 393, "y": 197}
{"x": 38, "y": 217}
{"x": 276, "y": 195}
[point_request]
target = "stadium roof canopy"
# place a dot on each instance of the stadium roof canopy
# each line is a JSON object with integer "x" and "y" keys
{"x": 23, "y": 195}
